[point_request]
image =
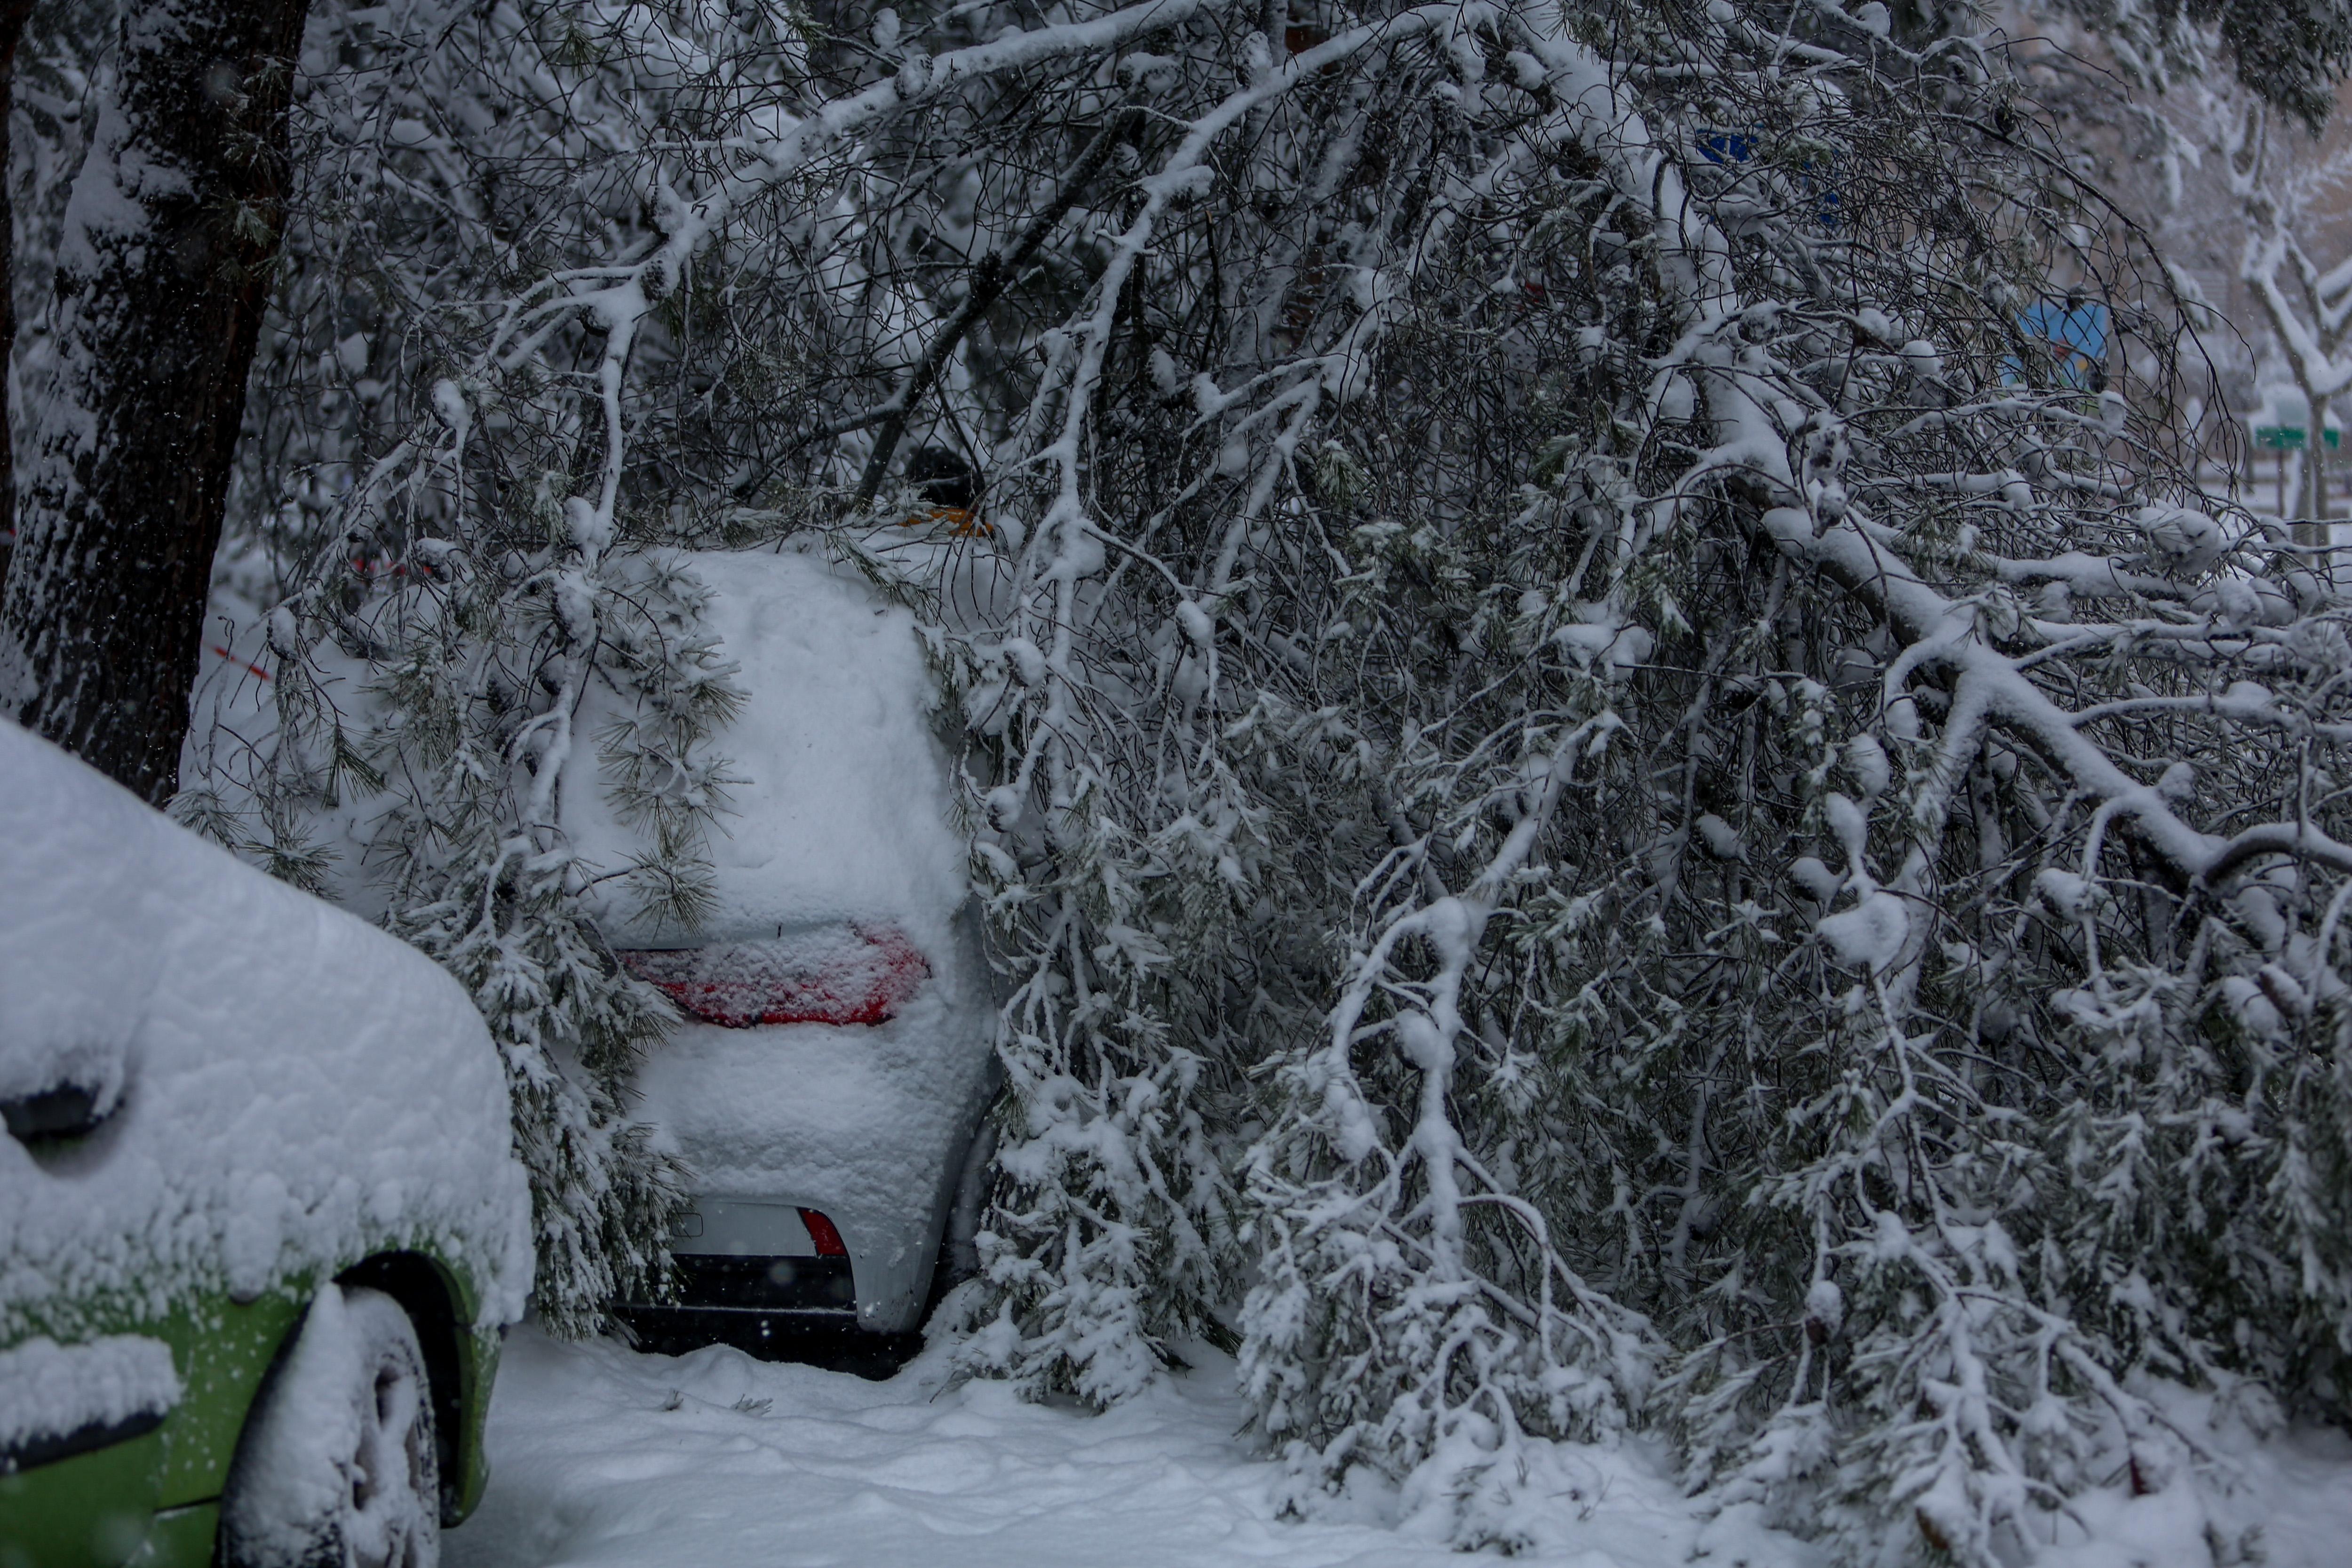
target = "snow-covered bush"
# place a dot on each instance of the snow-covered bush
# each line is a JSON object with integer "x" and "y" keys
{"x": 1613, "y": 784}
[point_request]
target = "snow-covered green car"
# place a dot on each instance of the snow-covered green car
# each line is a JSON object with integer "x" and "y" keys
{"x": 260, "y": 1225}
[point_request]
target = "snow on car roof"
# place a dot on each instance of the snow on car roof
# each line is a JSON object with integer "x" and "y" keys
{"x": 842, "y": 816}
{"x": 294, "y": 1087}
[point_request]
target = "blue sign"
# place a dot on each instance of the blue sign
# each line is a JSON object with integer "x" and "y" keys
{"x": 1727, "y": 148}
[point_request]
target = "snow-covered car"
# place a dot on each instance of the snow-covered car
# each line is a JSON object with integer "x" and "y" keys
{"x": 826, "y": 1088}
{"x": 260, "y": 1222}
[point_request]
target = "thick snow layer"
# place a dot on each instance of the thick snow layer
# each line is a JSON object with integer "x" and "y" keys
{"x": 2281, "y": 1499}
{"x": 49, "y": 1390}
{"x": 841, "y": 817}
{"x": 309, "y": 1418}
{"x": 839, "y": 812}
{"x": 296, "y": 1088}
{"x": 865, "y": 1122}
{"x": 1870, "y": 935}
{"x": 601, "y": 1457}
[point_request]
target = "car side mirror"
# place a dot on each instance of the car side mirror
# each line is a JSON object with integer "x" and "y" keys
{"x": 65, "y": 1110}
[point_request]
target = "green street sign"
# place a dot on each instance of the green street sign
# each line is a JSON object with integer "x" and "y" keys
{"x": 2290, "y": 438}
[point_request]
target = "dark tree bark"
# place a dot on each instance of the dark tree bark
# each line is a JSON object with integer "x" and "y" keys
{"x": 163, "y": 274}
{"x": 12, "y": 17}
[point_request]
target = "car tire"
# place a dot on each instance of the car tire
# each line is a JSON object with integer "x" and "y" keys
{"x": 337, "y": 1467}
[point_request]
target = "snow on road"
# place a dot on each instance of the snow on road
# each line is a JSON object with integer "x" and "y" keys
{"x": 605, "y": 1459}
{"x": 604, "y": 1456}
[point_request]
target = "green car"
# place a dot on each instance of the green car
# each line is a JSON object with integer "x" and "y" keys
{"x": 260, "y": 1223}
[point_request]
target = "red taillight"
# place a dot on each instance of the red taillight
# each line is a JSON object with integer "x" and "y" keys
{"x": 821, "y": 1231}
{"x": 841, "y": 975}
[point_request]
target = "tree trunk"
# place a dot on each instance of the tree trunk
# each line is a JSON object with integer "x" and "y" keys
{"x": 12, "y": 17}
{"x": 2311, "y": 527}
{"x": 163, "y": 274}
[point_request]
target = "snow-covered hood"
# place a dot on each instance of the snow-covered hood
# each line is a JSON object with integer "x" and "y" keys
{"x": 296, "y": 1088}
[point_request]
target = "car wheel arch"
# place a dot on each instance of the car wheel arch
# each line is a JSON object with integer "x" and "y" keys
{"x": 422, "y": 1289}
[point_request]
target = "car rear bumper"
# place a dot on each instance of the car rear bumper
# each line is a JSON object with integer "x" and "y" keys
{"x": 779, "y": 1309}
{"x": 795, "y": 1284}
{"x": 772, "y": 1253}
{"x": 821, "y": 1337}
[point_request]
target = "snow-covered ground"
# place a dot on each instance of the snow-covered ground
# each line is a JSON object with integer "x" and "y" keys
{"x": 604, "y": 1456}
{"x": 607, "y": 1458}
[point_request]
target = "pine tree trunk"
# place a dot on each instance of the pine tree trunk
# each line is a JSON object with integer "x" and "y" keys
{"x": 163, "y": 274}
{"x": 12, "y": 17}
